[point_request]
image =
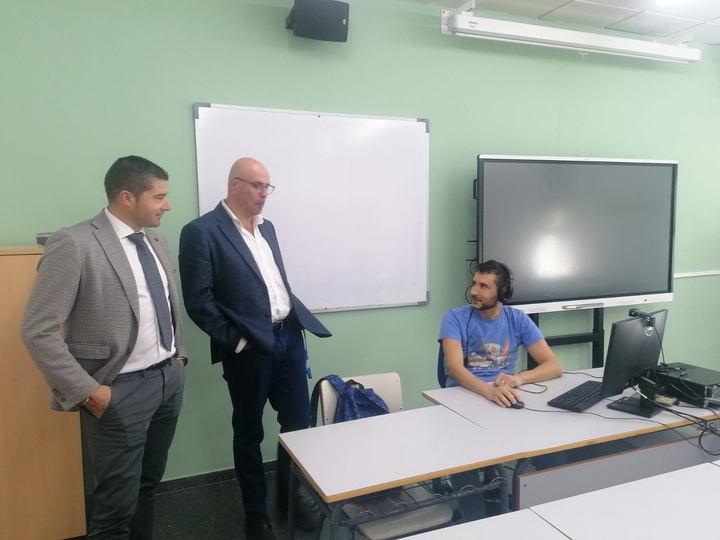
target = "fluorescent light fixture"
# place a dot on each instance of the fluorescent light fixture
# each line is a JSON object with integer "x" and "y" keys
{"x": 466, "y": 25}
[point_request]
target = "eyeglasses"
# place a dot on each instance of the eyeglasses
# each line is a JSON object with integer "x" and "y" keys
{"x": 257, "y": 186}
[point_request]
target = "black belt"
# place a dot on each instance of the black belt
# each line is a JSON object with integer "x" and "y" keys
{"x": 278, "y": 325}
{"x": 159, "y": 365}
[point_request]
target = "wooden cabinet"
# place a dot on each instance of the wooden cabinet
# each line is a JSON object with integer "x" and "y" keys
{"x": 41, "y": 472}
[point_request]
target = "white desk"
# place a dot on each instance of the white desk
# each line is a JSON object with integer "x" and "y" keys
{"x": 364, "y": 456}
{"x": 350, "y": 459}
{"x": 523, "y": 524}
{"x": 548, "y": 429}
{"x": 540, "y": 429}
{"x": 678, "y": 504}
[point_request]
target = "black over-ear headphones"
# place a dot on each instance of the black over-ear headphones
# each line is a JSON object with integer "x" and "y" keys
{"x": 506, "y": 291}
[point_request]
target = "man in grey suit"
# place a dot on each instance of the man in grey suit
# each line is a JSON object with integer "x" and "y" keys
{"x": 103, "y": 326}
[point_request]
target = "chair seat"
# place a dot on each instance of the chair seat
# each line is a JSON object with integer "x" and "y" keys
{"x": 399, "y": 525}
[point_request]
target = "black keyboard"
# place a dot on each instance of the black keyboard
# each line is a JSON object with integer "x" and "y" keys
{"x": 579, "y": 398}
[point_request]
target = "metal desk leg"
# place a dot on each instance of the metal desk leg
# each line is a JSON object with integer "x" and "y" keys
{"x": 291, "y": 500}
{"x": 321, "y": 521}
{"x": 335, "y": 521}
{"x": 504, "y": 496}
{"x": 520, "y": 468}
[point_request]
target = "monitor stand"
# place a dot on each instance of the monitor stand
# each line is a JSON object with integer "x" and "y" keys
{"x": 638, "y": 406}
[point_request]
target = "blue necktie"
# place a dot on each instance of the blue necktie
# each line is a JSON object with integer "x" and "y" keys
{"x": 157, "y": 290}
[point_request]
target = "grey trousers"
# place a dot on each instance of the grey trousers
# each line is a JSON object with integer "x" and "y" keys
{"x": 128, "y": 449}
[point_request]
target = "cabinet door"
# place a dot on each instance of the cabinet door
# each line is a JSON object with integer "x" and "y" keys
{"x": 41, "y": 479}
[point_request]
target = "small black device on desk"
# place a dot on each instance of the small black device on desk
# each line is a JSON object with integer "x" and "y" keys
{"x": 691, "y": 384}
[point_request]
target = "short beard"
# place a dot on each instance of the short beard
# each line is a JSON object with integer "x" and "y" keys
{"x": 485, "y": 308}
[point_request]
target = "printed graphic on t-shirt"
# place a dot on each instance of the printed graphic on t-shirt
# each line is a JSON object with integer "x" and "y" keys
{"x": 483, "y": 355}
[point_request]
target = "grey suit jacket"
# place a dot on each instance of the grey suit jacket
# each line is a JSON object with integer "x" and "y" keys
{"x": 81, "y": 321}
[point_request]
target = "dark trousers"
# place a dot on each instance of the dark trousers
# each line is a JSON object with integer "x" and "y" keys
{"x": 128, "y": 449}
{"x": 254, "y": 377}
{"x": 472, "y": 507}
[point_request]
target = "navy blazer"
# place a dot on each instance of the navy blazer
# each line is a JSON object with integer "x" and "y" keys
{"x": 224, "y": 292}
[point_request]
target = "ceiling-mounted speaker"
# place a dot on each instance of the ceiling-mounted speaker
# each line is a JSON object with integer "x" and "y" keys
{"x": 326, "y": 20}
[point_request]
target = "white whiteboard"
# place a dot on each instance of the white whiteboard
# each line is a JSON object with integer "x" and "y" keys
{"x": 351, "y": 204}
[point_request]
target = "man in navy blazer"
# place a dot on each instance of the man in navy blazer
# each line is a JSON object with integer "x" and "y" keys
{"x": 236, "y": 290}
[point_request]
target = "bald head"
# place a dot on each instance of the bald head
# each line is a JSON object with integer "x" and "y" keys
{"x": 248, "y": 183}
{"x": 248, "y": 167}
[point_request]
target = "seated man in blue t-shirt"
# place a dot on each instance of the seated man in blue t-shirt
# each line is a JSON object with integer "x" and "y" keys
{"x": 480, "y": 343}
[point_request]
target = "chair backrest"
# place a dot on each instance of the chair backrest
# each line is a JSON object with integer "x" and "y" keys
{"x": 385, "y": 385}
{"x": 441, "y": 375}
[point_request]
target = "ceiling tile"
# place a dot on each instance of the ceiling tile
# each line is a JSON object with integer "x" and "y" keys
{"x": 590, "y": 14}
{"x": 701, "y": 10}
{"x": 628, "y": 4}
{"x": 521, "y": 8}
{"x": 703, "y": 33}
{"x": 653, "y": 24}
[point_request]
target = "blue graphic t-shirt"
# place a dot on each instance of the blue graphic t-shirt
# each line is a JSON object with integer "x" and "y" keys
{"x": 490, "y": 346}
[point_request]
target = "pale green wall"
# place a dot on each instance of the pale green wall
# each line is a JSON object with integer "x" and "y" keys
{"x": 83, "y": 82}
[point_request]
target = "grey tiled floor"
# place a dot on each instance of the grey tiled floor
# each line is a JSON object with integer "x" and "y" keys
{"x": 213, "y": 512}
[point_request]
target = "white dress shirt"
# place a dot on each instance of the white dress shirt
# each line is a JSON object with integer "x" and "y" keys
{"x": 280, "y": 304}
{"x": 148, "y": 348}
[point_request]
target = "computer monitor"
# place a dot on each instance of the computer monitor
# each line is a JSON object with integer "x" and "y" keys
{"x": 633, "y": 353}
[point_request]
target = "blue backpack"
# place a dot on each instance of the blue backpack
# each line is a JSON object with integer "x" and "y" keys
{"x": 354, "y": 400}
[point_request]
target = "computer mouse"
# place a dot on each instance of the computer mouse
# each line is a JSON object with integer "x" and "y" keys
{"x": 517, "y": 405}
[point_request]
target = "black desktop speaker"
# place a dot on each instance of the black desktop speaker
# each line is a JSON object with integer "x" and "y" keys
{"x": 326, "y": 20}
